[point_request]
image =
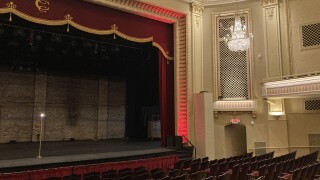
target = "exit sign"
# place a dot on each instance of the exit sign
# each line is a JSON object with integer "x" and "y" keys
{"x": 235, "y": 120}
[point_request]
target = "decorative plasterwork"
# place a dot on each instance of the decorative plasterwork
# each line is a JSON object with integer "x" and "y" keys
{"x": 142, "y": 9}
{"x": 197, "y": 8}
{"x": 301, "y": 87}
{"x": 270, "y": 12}
{"x": 240, "y": 105}
{"x": 215, "y": 52}
{"x": 269, "y": 2}
{"x": 198, "y": 20}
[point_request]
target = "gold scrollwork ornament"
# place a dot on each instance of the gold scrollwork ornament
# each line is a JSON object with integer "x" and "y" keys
{"x": 11, "y": 6}
{"x": 42, "y": 5}
{"x": 69, "y": 18}
{"x": 114, "y": 29}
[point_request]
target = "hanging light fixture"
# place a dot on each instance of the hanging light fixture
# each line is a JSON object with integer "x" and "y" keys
{"x": 239, "y": 40}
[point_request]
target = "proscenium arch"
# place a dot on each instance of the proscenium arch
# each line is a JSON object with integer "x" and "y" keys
{"x": 182, "y": 74}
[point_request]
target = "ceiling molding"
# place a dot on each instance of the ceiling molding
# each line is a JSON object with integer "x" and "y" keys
{"x": 213, "y": 2}
{"x": 143, "y": 9}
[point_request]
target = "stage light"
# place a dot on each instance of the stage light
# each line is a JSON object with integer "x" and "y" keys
{"x": 42, "y": 115}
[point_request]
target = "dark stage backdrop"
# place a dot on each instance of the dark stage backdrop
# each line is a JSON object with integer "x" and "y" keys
{"x": 77, "y": 106}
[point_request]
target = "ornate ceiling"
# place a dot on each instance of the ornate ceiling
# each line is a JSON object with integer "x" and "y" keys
{"x": 213, "y": 2}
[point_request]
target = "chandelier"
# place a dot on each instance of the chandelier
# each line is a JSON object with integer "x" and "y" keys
{"x": 238, "y": 41}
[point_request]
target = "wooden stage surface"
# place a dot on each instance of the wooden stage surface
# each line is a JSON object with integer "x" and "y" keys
{"x": 23, "y": 156}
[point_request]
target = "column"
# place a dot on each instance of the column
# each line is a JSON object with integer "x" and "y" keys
{"x": 196, "y": 59}
{"x": 278, "y": 128}
{"x": 204, "y": 125}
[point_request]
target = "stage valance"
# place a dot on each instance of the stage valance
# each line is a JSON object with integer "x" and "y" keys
{"x": 93, "y": 19}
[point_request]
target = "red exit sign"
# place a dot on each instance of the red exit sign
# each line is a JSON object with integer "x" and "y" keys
{"x": 235, "y": 120}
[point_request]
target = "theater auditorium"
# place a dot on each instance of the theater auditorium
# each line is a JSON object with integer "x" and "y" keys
{"x": 159, "y": 89}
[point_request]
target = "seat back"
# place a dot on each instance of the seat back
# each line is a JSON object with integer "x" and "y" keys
{"x": 244, "y": 171}
{"x": 224, "y": 176}
{"x": 143, "y": 176}
{"x": 91, "y": 176}
{"x": 304, "y": 171}
{"x": 182, "y": 177}
{"x": 196, "y": 176}
{"x": 187, "y": 164}
{"x": 214, "y": 169}
{"x": 271, "y": 171}
{"x": 178, "y": 165}
{"x": 263, "y": 170}
{"x": 205, "y": 159}
{"x": 279, "y": 168}
{"x": 72, "y": 177}
{"x": 175, "y": 172}
{"x": 223, "y": 167}
{"x": 296, "y": 174}
{"x": 120, "y": 171}
{"x": 235, "y": 172}
{"x": 195, "y": 167}
{"x": 204, "y": 165}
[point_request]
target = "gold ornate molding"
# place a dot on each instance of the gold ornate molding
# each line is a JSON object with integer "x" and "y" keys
{"x": 144, "y": 9}
{"x": 197, "y": 8}
{"x": 234, "y": 113}
{"x": 270, "y": 12}
{"x": 42, "y": 5}
{"x": 11, "y": 7}
{"x": 265, "y": 3}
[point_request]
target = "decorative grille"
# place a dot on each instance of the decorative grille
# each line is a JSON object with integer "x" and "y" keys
{"x": 233, "y": 67}
{"x": 312, "y": 105}
{"x": 310, "y": 35}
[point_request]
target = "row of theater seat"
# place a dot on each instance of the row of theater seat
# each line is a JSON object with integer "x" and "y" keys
{"x": 246, "y": 167}
{"x": 242, "y": 167}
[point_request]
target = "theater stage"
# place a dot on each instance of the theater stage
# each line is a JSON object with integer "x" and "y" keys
{"x": 23, "y": 156}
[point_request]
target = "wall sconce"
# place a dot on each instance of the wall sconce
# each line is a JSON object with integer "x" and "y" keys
{"x": 276, "y": 114}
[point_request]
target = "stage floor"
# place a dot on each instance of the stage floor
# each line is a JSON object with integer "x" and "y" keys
{"x": 17, "y": 155}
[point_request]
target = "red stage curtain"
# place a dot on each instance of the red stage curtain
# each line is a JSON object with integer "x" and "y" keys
{"x": 166, "y": 93}
{"x": 97, "y": 18}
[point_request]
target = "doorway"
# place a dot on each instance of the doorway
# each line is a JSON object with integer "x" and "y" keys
{"x": 236, "y": 139}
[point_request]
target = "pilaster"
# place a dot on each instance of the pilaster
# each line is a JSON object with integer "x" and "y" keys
{"x": 277, "y": 123}
{"x": 197, "y": 46}
{"x": 272, "y": 38}
{"x": 196, "y": 59}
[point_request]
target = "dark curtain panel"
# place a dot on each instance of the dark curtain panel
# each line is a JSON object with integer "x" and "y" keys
{"x": 142, "y": 92}
{"x": 166, "y": 92}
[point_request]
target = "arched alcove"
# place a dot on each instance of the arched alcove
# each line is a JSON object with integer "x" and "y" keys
{"x": 235, "y": 139}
